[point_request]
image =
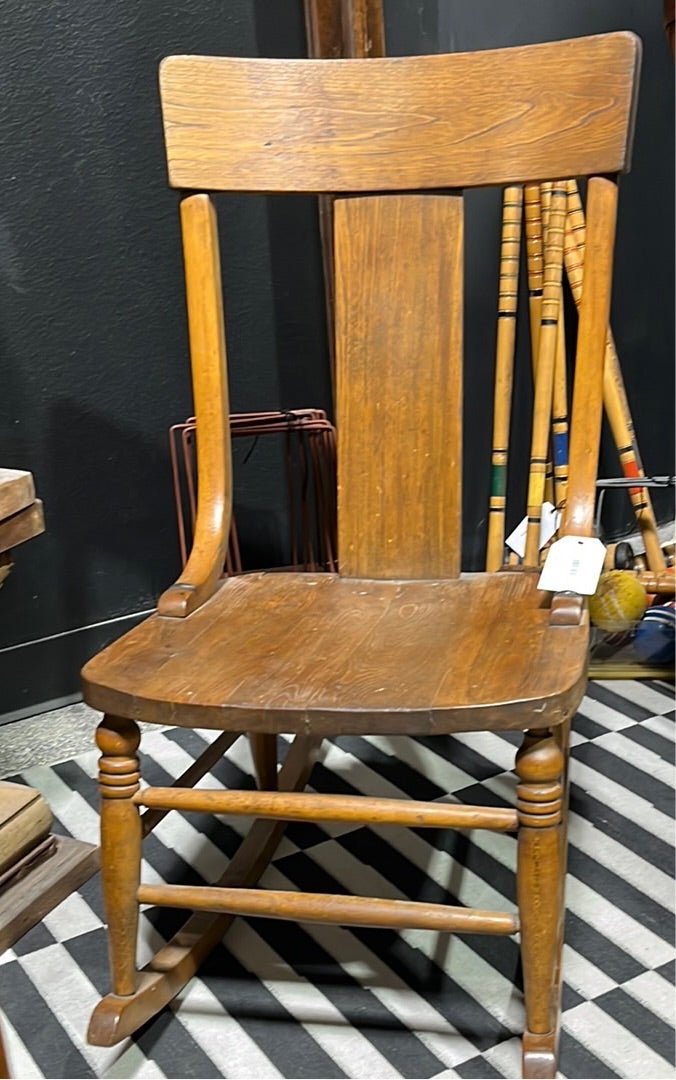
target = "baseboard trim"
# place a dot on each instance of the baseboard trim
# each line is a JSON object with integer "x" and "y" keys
{"x": 37, "y": 676}
{"x": 40, "y": 707}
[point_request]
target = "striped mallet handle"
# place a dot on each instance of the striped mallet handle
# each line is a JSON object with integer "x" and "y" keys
{"x": 555, "y": 196}
{"x": 575, "y": 220}
{"x": 560, "y": 408}
{"x": 534, "y": 266}
{"x": 557, "y": 494}
{"x": 512, "y": 210}
{"x": 615, "y": 397}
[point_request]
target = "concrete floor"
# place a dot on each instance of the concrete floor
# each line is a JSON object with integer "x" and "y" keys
{"x": 48, "y": 738}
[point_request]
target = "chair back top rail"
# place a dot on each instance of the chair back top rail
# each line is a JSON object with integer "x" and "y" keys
{"x": 444, "y": 121}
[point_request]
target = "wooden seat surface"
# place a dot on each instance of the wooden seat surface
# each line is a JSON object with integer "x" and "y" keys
{"x": 316, "y": 653}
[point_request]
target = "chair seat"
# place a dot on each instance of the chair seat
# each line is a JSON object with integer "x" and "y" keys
{"x": 317, "y": 653}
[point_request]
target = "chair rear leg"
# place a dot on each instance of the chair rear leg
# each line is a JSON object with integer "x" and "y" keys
{"x": 264, "y": 754}
{"x": 118, "y": 741}
{"x": 540, "y": 894}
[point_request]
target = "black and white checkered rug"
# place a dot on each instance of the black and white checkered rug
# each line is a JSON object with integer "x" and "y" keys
{"x": 278, "y": 999}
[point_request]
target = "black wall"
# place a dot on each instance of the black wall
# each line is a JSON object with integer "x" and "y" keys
{"x": 92, "y": 327}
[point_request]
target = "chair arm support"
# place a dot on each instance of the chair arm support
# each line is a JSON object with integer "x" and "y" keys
{"x": 567, "y": 609}
{"x": 203, "y": 569}
{"x": 587, "y": 410}
{"x": 210, "y": 390}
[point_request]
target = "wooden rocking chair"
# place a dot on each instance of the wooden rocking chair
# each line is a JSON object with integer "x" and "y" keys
{"x": 400, "y": 641}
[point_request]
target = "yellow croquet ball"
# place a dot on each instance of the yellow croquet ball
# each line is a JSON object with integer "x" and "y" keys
{"x": 619, "y": 601}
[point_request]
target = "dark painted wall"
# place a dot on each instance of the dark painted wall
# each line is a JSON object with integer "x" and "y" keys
{"x": 92, "y": 327}
{"x": 92, "y": 319}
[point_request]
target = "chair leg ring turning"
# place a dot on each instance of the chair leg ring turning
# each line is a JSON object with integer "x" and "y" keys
{"x": 118, "y": 741}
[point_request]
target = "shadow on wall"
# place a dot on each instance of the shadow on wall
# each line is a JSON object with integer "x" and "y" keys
{"x": 124, "y": 528}
{"x": 110, "y": 547}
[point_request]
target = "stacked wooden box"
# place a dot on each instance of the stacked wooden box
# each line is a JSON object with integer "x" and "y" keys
{"x": 37, "y": 869}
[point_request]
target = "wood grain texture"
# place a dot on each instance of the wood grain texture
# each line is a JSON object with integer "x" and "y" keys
{"x": 324, "y": 29}
{"x": 508, "y": 294}
{"x": 352, "y": 808}
{"x": 316, "y": 653}
{"x": 344, "y": 28}
{"x": 535, "y": 269}
{"x": 586, "y": 412}
{"x": 663, "y": 584}
{"x": 458, "y": 120}
{"x": 567, "y": 609}
{"x": 22, "y": 526}
{"x": 338, "y": 29}
{"x": 363, "y": 28}
{"x": 264, "y": 754}
{"x": 24, "y": 902}
{"x": 37, "y": 854}
{"x": 204, "y": 295}
{"x": 17, "y": 491}
{"x": 540, "y": 766}
{"x": 25, "y": 819}
{"x": 399, "y": 385}
{"x": 118, "y": 739}
{"x": 170, "y": 969}
{"x": 325, "y": 908}
{"x": 399, "y": 642}
{"x": 615, "y": 398}
{"x": 534, "y": 263}
{"x": 554, "y": 203}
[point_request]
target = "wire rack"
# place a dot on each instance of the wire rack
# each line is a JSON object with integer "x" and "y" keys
{"x": 309, "y": 451}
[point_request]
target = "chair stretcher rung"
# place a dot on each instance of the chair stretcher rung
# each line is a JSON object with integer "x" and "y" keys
{"x": 293, "y": 806}
{"x": 199, "y": 768}
{"x": 323, "y": 908}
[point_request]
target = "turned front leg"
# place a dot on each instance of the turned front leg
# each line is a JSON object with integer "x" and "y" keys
{"x": 118, "y": 740}
{"x": 540, "y": 866}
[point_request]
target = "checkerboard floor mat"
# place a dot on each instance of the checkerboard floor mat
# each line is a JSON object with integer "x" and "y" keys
{"x": 281, "y": 1000}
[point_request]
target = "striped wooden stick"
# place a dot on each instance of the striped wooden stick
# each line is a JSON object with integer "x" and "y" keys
{"x": 512, "y": 210}
{"x": 556, "y": 493}
{"x": 560, "y": 392}
{"x": 575, "y": 215}
{"x": 560, "y": 412}
{"x": 555, "y": 197}
{"x": 545, "y": 206}
{"x": 534, "y": 266}
{"x": 614, "y": 393}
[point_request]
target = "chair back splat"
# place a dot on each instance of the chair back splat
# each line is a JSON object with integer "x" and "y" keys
{"x": 399, "y": 384}
{"x": 400, "y": 642}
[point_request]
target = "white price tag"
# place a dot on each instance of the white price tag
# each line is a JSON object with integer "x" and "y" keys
{"x": 549, "y": 523}
{"x": 573, "y": 564}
